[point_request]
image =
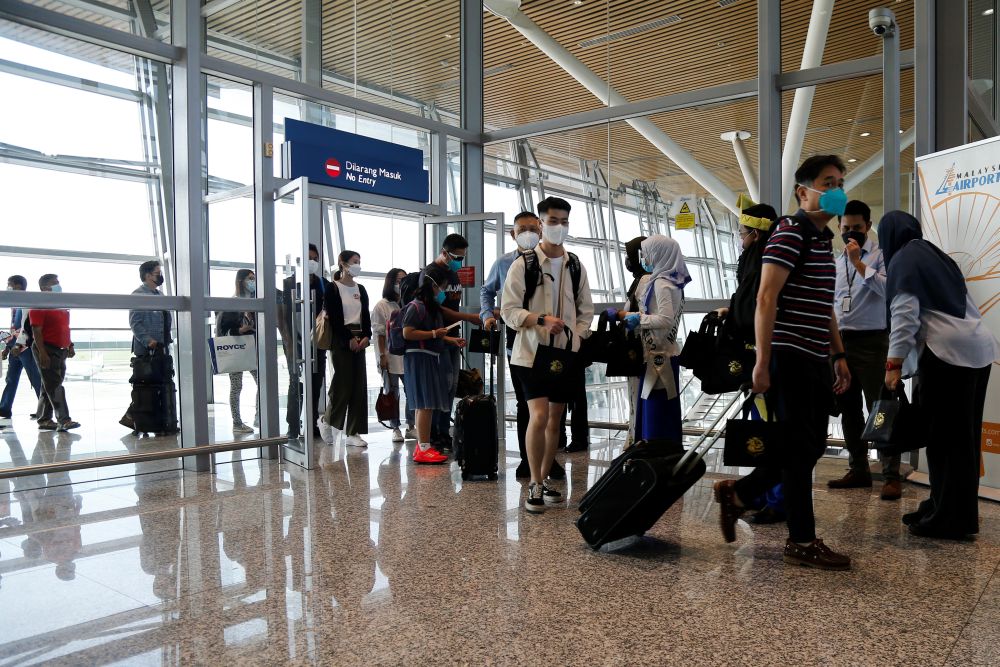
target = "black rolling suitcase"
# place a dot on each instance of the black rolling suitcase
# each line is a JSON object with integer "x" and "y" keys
{"x": 154, "y": 408}
{"x": 476, "y": 442}
{"x": 641, "y": 485}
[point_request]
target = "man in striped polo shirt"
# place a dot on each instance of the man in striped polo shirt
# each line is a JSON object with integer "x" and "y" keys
{"x": 796, "y": 333}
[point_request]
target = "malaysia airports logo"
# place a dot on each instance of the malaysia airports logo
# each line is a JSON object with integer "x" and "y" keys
{"x": 955, "y": 182}
{"x": 332, "y": 168}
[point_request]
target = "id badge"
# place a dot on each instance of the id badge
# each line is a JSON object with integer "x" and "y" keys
{"x": 845, "y": 304}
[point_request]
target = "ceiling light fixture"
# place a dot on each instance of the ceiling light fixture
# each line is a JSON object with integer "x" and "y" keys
{"x": 866, "y": 134}
{"x": 988, "y": 12}
{"x": 577, "y": 2}
{"x": 852, "y": 160}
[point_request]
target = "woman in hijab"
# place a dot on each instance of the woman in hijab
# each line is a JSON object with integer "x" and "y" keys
{"x": 937, "y": 333}
{"x": 640, "y": 278}
{"x": 661, "y": 305}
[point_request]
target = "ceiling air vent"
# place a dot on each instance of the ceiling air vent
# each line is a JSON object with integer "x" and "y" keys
{"x": 727, "y": 3}
{"x": 629, "y": 32}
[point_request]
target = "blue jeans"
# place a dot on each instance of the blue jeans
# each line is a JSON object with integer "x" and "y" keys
{"x": 14, "y": 366}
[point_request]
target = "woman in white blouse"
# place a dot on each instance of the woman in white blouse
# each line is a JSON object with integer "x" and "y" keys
{"x": 391, "y": 365}
{"x": 937, "y": 333}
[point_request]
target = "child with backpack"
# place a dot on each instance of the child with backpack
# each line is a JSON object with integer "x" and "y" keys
{"x": 420, "y": 328}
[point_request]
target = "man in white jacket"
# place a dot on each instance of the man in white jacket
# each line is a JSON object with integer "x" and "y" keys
{"x": 554, "y": 309}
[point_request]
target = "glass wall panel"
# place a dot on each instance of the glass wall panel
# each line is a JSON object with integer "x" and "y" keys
{"x": 984, "y": 53}
{"x": 846, "y": 120}
{"x": 849, "y": 36}
{"x": 98, "y": 396}
{"x": 105, "y": 167}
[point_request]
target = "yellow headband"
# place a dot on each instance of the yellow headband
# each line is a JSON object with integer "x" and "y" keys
{"x": 744, "y": 202}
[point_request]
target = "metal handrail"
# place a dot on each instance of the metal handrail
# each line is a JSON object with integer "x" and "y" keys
{"x": 125, "y": 459}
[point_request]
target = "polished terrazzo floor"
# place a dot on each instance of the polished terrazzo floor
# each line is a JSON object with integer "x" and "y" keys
{"x": 373, "y": 561}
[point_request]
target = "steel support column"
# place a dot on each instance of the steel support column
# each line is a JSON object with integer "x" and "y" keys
{"x": 951, "y": 71}
{"x": 472, "y": 152}
{"x": 267, "y": 338}
{"x": 890, "y": 119}
{"x": 769, "y": 102}
{"x": 191, "y": 261}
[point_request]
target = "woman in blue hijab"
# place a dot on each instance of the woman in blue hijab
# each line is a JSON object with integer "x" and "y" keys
{"x": 937, "y": 333}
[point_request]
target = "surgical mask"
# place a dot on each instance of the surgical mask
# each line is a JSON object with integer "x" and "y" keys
{"x": 354, "y": 270}
{"x": 251, "y": 286}
{"x": 555, "y": 234}
{"x": 648, "y": 268}
{"x": 832, "y": 201}
{"x": 440, "y": 296}
{"x": 527, "y": 240}
{"x": 159, "y": 280}
{"x": 396, "y": 287}
{"x": 455, "y": 264}
{"x": 313, "y": 266}
{"x": 56, "y": 288}
{"x": 859, "y": 237}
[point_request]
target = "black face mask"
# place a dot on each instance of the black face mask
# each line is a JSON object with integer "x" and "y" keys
{"x": 859, "y": 237}
{"x": 159, "y": 280}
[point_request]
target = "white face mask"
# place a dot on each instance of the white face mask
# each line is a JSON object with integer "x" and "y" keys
{"x": 313, "y": 266}
{"x": 555, "y": 234}
{"x": 527, "y": 240}
{"x": 354, "y": 270}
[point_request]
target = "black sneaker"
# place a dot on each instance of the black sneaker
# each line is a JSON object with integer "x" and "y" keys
{"x": 550, "y": 495}
{"x": 576, "y": 446}
{"x": 557, "y": 472}
{"x": 535, "y": 502}
{"x": 523, "y": 471}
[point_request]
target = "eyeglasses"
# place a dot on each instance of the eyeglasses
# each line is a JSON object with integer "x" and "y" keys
{"x": 459, "y": 258}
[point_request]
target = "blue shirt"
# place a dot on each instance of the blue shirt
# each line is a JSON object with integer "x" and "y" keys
{"x": 867, "y": 291}
{"x": 493, "y": 284}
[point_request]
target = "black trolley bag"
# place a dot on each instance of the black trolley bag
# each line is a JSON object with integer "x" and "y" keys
{"x": 642, "y": 484}
{"x": 476, "y": 443}
{"x": 154, "y": 394}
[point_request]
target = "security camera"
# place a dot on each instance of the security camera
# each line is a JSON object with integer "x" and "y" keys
{"x": 881, "y": 21}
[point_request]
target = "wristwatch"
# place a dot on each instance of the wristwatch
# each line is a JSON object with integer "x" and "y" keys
{"x": 541, "y": 320}
{"x": 889, "y": 366}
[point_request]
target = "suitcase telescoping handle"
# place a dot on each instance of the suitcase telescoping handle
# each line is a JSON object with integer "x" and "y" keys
{"x": 697, "y": 452}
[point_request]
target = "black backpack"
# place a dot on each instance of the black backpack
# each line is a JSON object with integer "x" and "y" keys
{"x": 533, "y": 275}
{"x": 408, "y": 287}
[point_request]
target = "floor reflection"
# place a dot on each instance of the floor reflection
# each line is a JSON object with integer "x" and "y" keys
{"x": 372, "y": 560}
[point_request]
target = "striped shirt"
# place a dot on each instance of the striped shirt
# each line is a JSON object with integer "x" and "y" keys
{"x": 805, "y": 304}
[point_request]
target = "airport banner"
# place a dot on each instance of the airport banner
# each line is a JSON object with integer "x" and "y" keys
{"x": 343, "y": 160}
{"x": 959, "y": 191}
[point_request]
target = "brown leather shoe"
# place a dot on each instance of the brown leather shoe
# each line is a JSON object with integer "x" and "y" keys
{"x": 852, "y": 480}
{"x": 892, "y": 489}
{"x": 729, "y": 512}
{"x": 816, "y": 555}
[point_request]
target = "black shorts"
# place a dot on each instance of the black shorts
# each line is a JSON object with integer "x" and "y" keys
{"x": 534, "y": 386}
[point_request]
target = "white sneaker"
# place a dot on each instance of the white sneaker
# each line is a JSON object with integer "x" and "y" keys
{"x": 356, "y": 441}
{"x": 396, "y": 435}
{"x": 411, "y": 434}
{"x": 242, "y": 428}
{"x": 326, "y": 432}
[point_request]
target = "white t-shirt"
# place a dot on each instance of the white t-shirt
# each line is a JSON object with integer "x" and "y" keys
{"x": 381, "y": 313}
{"x": 351, "y": 297}
{"x": 556, "y": 264}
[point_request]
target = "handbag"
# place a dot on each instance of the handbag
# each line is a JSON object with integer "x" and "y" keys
{"x": 894, "y": 424}
{"x": 596, "y": 348}
{"x": 470, "y": 381}
{"x": 387, "y": 403}
{"x": 233, "y": 354}
{"x": 482, "y": 341}
{"x": 322, "y": 333}
{"x": 756, "y": 442}
{"x": 729, "y": 368}
{"x": 553, "y": 363}
{"x": 699, "y": 347}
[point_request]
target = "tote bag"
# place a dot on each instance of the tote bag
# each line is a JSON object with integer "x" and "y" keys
{"x": 753, "y": 442}
{"x": 233, "y": 354}
{"x": 894, "y": 425}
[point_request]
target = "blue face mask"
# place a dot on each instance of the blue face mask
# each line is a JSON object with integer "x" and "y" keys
{"x": 648, "y": 268}
{"x": 833, "y": 201}
{"x": 455, "y": 264}
{"x": 440, "y": 297}
{"x": 56, "y": 288}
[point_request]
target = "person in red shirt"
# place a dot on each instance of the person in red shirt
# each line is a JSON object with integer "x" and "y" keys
{"x": 51, "y": 348}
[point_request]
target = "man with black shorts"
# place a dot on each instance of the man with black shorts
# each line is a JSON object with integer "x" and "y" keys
{"x": 547, "y": 307}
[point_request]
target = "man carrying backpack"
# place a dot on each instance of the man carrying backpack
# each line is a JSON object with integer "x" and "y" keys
{"x": 551, "y": 313}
